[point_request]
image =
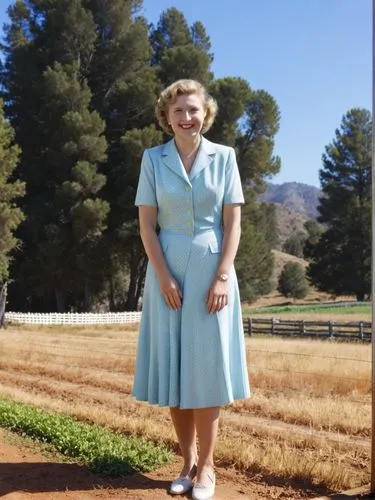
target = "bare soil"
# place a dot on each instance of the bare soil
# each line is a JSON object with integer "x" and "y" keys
{"x": 26, "y": 473}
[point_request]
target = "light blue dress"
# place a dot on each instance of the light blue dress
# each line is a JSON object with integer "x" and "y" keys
{"x": 190, "y": 358}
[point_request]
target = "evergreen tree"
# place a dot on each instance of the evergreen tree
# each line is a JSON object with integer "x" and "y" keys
{"x": 254, "y": 264}
{"x": 124, "y": 89}
{"x": 79, "y": 55}
{"x": 200, "y": 38}
{"x": 248, "y": 120}
{"x": 295, "y": 243}
{"x": 292, "y": 281}
{"x": 133, "y": 143}
{"x": 75, "y": 149}
{"x": 10, "y": 215}
{"x": 123, "y": 85}
{"x": 341, "y": 259}
{"x": 180, "y": 51}
{"x": 232, "y": 95}
{"x": 79, "y": 81}
{"x": 171, "y": 31}
{"x": 265, "y": 221}
{"x": 314, "y": 231}
{"x": 55, "y": 40}
{"x": 254, "y": 261}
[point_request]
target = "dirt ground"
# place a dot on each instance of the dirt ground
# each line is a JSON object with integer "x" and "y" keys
{"x": 26, "y": 474}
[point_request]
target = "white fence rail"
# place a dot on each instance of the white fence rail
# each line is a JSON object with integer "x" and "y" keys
{"x": 73, "y": 318}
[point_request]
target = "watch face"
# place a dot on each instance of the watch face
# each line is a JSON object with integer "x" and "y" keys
{"x": 223, "y": 277}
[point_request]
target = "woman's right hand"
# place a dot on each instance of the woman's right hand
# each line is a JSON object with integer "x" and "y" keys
{"x": 170, "y": 291}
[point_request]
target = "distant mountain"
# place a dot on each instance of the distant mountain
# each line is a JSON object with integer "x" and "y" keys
{"x": 288, "y": 222}
{"x": 298, "y": 197}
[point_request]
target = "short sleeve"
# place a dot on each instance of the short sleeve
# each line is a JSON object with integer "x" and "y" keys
{"x": 233, "y": 188}
{"x": 146, "y": 185}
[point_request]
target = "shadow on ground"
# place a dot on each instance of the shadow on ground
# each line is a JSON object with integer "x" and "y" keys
{"x": 51, "y": 477}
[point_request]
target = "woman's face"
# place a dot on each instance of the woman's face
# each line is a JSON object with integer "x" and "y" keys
{"x": 186, "y": 116}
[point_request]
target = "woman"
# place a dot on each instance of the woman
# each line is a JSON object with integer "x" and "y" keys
{"x": 191, "y": 354}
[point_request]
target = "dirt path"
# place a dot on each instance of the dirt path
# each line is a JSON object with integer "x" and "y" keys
{"x": 26, "y": 474}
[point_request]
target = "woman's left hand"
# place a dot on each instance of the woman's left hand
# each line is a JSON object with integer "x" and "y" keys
{"x": 217, "y": 296}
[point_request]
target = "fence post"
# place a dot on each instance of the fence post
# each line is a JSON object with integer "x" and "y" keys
{"x": 361, "y": 333}
{"x": 302, "y": 327}
{"x": 330, "y": 329}
{"x": 273, "y": 326}
{"x": 249, "y": 326}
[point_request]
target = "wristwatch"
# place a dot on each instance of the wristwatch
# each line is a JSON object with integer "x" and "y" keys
{"x": 223, "y": 277}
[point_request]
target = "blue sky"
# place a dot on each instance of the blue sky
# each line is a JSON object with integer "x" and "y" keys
{"x": 313, "y": 57}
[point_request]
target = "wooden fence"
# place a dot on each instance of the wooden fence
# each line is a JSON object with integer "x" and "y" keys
{"x": 73, "y": 318}
{"x": 359, "y": 330}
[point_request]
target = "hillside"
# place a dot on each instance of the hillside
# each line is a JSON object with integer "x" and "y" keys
{"x": 275, "y": 298}
{"x": 288, "y": 222}
{"x": 298, "y": 197}
{"x": 282, "y": 258}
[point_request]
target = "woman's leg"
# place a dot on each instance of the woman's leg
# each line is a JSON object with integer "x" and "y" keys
{"x": 183, "y": 421}
{"x": 207, "y": 423}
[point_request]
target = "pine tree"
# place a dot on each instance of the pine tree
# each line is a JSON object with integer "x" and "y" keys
{"x": 314, "y": 231}
{"x": 294, "y": 244}
{"x": 171, "y": 31}
{"x": 180, "y": 51}
{"x": 10, "y": 215}
{"x": 133, "y": 144}
{"x": 232, "y": 94}
{"x": 75, "y": 149}
{"x": 292, "y": 281}
{"x": 124, "y": 89}
{"x": 254, "y": 263}
{"x": 62, "y": 145}
{"x": 248, "y": 120}
{"x": 265, "y": 221}
{"x": 341, "y": 259}
{"x": 82, "y": 124}
{"x": 255, "y": 142}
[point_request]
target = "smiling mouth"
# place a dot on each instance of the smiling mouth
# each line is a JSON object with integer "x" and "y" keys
{"x": 186, "y": 127}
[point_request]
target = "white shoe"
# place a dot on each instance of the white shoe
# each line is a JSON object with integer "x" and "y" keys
{"x": 183, "y": 484}
{"x": 204, "y": 491}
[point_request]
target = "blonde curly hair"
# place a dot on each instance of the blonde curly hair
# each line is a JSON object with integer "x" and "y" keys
{"x": 184, "y": 87}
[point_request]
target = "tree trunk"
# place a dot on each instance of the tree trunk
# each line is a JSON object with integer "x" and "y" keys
{"x": 360, "y": 296}
{"x": 140, "y": 281}
{"x": 138, "y": 265}
{"x": 3, "y": 300}
{"x": 88, "y": 297}
{"x": 112, "y": 305}
{"x": 60, "y": 300}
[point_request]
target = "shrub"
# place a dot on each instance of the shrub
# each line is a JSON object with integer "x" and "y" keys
{"x": 292, "y": 281}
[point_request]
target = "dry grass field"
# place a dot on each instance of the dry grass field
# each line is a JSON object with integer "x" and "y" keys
{"x": 308, "y": 418}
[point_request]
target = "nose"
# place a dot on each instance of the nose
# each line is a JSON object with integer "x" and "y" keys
{"x": 187, "y": 115}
